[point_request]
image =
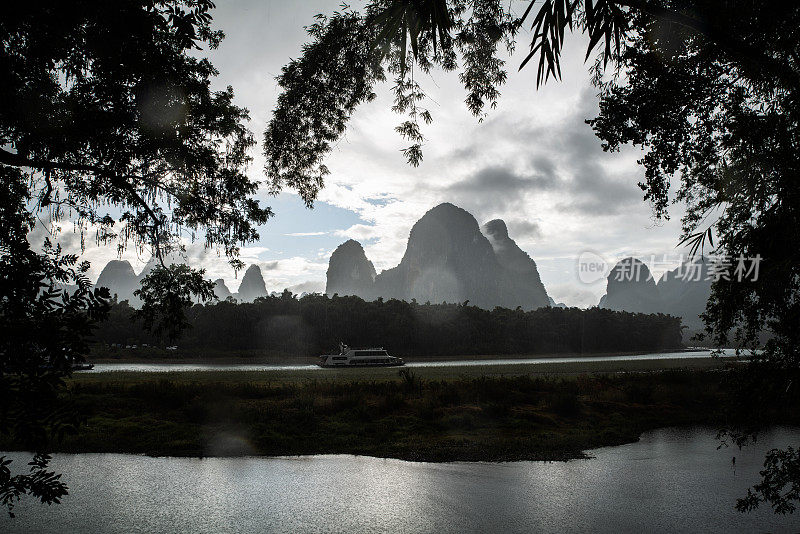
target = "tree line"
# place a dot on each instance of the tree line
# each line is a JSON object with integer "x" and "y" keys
{"x": 313, "y": 324}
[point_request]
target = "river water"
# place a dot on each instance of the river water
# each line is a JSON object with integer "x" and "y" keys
{"x": 173, "y": 367}
{"x": 672, "y": 480}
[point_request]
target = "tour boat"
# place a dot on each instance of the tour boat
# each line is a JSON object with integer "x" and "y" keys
{"x": 369, "y": 357}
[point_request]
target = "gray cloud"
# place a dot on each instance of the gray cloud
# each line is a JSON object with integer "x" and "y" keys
{"x": 498, "y": 180}
{"x": 498, "y": 188}
{"x": 592, "y": 190}
{"x": 565, "y": 159}
{"x": 523, "y": 229}
{"x": 546, "y": 168}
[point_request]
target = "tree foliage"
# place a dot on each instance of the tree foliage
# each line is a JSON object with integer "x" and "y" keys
{"x": 43, "y": 331}
{"x": 780, "y": 486}
{"x": 40, "y": 483}
{"x": 322, "y": 89}
{"x": 350, "y": 52}
{"x": 313, "y": 324}
{"x": 106, "y": 105}
{"x": 710, "y": 111}
{"x": 107, "y": 120}
{"x": 166, "y": 294}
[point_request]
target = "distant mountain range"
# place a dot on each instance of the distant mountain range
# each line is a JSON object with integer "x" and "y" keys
{"x": 118, "y": 276}
{"x": 682, "y": 292}
{"x": 448, "y": 259}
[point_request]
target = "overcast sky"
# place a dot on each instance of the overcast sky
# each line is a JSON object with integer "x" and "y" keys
{"x": 532, "y": 162}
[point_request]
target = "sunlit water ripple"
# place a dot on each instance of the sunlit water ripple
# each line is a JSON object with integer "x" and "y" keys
{"x": 670, "y": 481}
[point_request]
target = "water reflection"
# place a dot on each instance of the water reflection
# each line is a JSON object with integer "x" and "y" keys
{"x": 672, "y": 480}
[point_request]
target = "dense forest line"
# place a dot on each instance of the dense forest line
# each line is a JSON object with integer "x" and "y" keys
{"x": 287, "y": 325}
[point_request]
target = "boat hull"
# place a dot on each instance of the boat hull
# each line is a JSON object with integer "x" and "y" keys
{"x": 349, "y": 365}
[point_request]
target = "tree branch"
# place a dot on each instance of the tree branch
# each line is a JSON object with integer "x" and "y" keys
{"x": 748, "y": 55}
{"x": 15, "y": 160}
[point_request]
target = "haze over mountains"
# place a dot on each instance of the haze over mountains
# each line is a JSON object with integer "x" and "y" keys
{"x": 450, "y": 258}
{"x": 252, "y": 285}
{"x": 447, "y": 259}
{"x": 683, "y": 291}
{"x": 118, "y": 276}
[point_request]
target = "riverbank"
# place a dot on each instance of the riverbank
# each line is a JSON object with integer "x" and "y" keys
{"x": 161, "y": 356}
{"x": 414, "y": 415}
{"x": 435, "y": 370}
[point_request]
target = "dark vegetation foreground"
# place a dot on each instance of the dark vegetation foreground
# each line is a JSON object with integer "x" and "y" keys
{"x": 400, "y": 415}
{"x": 287, "y": 326}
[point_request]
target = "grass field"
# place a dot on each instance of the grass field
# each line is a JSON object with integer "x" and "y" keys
{"x": 492, "y": 412}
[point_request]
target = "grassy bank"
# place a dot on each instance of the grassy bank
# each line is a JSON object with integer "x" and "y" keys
{"x": 401, "y": 415}
{"x": 103, "y": 354}
{"x": 432, "y": 372}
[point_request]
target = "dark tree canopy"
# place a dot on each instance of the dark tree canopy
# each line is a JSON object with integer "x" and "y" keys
{"x": 350, "y": 52}
{"x": 108, "y": 108}
{"x": 166, "y": 295}
{"x": 715, "y": 115}
{"x": 310, "y": 325}
{"x": 43, "y": 331}
{"x": 108, "y": 120}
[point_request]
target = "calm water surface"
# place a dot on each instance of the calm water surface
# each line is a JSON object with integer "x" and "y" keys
{"x": 670, "y": 481}
{"x": 170, "y": 367}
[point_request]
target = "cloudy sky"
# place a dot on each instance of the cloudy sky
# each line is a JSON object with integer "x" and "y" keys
{"x": 532, "y": 162}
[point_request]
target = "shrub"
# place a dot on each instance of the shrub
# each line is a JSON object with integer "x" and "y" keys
{"x": 565, "y": 403}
